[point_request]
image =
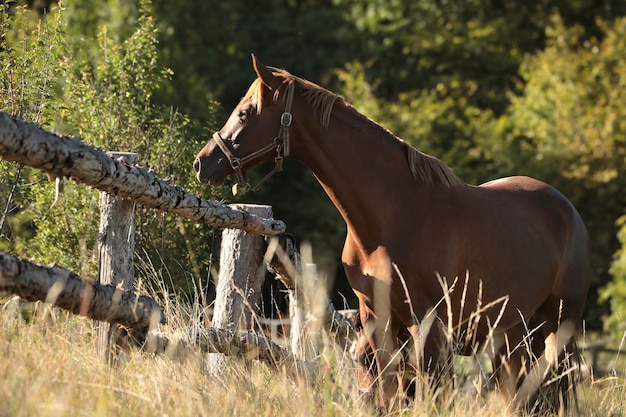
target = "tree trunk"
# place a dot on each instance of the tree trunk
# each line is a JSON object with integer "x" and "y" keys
{"x": 83, "y": 296}
{"x": 65, "y": 156}
{"x": 239, "y": 283}
{"x": 117, "y": 249}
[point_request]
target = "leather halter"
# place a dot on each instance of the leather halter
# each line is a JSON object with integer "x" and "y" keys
{"x": 280, "y": 144}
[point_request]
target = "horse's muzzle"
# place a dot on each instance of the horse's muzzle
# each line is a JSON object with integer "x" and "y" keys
{"x": 210, "y": 174}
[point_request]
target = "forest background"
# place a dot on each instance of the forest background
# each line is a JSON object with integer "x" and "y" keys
{"x": 493, "y": 88}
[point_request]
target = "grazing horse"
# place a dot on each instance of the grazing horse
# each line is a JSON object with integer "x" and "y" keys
{"x": 438, "y": 265}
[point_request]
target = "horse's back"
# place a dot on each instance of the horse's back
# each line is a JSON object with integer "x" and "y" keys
{"x": 539, "y": 199}
{"x": 536, "y": 197}
{"x": 565, "y": 225}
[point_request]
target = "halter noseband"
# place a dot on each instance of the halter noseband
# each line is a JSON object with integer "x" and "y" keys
{"x": 280, "y": 144}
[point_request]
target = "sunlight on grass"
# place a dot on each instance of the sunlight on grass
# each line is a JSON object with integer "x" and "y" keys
{"x": 49, "y": 368}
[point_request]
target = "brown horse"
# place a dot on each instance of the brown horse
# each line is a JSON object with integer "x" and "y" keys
{"x": 501, "y": 268}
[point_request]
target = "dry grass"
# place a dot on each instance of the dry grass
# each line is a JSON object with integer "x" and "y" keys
{"x": 49, "y": 367}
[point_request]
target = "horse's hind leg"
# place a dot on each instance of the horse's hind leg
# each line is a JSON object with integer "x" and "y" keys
{"x": 511, "y": 362}
{"x": 430, "y": 359}
{"x": 554, "y": 350}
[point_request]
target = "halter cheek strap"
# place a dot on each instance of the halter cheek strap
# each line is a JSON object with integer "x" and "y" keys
{"x": 280, "y": 144}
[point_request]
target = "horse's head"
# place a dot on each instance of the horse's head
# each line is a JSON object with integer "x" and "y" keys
{"x": 257, "y": 131}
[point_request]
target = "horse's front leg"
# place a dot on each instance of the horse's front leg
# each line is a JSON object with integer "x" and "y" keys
{"x": 365, "y": 362}
{"x": 378, "y": 360}
{"x": 370, "y": 275}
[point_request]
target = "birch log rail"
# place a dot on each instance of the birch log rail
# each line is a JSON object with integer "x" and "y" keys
{"x": 245, "y": 344}
{"x": 30, "y": 145}
{"x": 86, "y": 297}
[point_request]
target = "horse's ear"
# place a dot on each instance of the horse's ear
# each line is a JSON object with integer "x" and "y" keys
{"x": 264, "y": 73}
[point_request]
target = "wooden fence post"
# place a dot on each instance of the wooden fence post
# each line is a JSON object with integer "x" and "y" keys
{"x": 309, "y": 308}
{"x": 116, "y": 250}
{"x": 305, "y": 314}
{"x": 239, "y": 282}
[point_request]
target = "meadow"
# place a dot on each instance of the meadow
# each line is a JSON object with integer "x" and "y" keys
{"x": 50, "y": 366}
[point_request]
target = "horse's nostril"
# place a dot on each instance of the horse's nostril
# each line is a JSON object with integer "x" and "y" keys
{"x": 196, "y": 165}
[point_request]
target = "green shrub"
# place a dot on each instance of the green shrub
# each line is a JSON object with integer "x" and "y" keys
{"x": 103, "y": 95}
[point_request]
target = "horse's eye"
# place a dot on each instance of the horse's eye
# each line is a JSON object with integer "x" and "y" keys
{"x": 243, "y": 116}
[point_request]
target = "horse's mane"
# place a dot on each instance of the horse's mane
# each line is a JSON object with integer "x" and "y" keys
{"x": 423, "y": 166}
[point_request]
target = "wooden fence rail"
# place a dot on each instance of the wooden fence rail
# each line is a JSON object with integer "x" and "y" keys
{"x": 593, "y": 351}
{"x": 64, "y": 289}
{"x": 63, "y": 156}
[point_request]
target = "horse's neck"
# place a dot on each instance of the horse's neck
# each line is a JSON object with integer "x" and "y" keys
{"x": 362, "y": 168}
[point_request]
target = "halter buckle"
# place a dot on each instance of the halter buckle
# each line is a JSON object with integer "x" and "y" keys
{"x": 285, "y": 119}
{"x": 235, "y": 163}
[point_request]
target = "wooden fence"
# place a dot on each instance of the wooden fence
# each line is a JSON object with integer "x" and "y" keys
{"x": 62, "y": 156}
{"x": 592, "y": 353}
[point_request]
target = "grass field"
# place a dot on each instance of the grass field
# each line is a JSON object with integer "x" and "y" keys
{"x": 49, "y": 367}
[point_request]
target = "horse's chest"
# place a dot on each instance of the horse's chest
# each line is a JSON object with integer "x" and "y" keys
{"x": 369, "y": 273}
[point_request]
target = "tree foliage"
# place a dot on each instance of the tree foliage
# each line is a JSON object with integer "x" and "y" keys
{"x": 30, "y": 73}
{"x": 571, "y": 123}
{"x": 615, "y": 291}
